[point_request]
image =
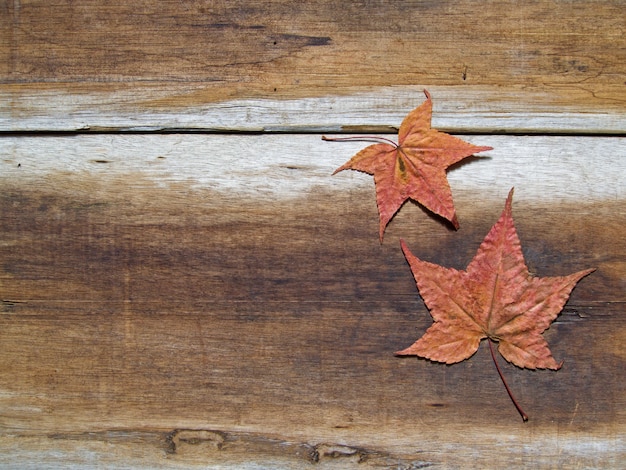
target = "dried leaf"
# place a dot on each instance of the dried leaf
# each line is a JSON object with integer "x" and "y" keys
{"x": 495, "y": 298}
{"x": 414, "y": 168}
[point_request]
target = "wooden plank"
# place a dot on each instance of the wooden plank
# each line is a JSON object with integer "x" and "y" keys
{"x": 456, "y": 109}
{"x": 275, "y": 167}
{"x": 222, "y": 300}
{"x": 88, "y": 65}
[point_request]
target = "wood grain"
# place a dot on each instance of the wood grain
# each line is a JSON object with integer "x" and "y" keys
{"x": 517, "y": 110}
{"x": 222, "y": 300}
{"x": 274, "y": 65}
{"x": 184, "y": 285}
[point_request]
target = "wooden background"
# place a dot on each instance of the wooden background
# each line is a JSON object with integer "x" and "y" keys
{"x": 184, "y": 284}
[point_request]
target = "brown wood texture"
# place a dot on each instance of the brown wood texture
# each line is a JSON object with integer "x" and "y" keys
{"x": 117, "y": 65}
{"x": 211, "y": 318}
{"x": 252, "y": 48}
{"x": 149, "y": 308}
{"x": 217, "y": 299}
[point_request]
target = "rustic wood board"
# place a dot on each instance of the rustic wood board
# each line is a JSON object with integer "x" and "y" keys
{"x": 543, "y": 66}
{"x": 456, "y": 109}
{"x": 222, "y": 300}
{"x": 200, "y": 299}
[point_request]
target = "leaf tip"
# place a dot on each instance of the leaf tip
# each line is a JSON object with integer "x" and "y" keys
{"x": 404, "y": 247}
{"x": 427, "y": 94}
{"x": 586, "y": 272}
{"x": 381, "y": 231}
{"x": 510, "y": 196}
{"x": 508, "y": 206}
{"x": 404, "y": 352}
{"x": 455, "y": 222}
{"x": 345, "y": 166}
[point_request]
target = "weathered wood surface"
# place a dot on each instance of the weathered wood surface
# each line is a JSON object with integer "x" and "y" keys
{"x": 206, "y": 300}
{"x": 213, "y": 300}
{"x": 320, "y": 65}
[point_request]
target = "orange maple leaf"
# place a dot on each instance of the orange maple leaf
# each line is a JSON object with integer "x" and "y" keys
{"x": 495, "y": 298}
{"x": 414, "y": 168}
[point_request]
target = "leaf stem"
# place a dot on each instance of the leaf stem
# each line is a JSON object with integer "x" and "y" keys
{"x": 360, "y": 138}
{"x": 519, "y": 408}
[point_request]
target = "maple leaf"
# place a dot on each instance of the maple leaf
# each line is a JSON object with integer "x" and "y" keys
{"x": 495, "y": 298}
{"x": 414, "y": 168}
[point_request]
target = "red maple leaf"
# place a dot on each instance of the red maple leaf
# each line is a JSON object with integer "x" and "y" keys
{"x": 414, "y": 168}
{"x": 495, "y": 298}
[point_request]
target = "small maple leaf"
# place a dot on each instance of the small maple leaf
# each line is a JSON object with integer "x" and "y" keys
{"x": 495, "y": 298}
{"x": 414, "y": 168}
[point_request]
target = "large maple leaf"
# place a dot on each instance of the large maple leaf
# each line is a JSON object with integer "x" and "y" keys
{"x": 495, "y": 298}
{"x": 414, "y": 168}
